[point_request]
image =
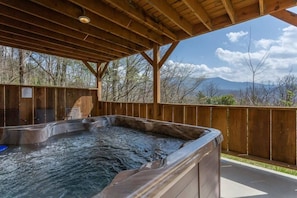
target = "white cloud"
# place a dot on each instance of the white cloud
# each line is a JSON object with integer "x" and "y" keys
{"x": 282, "y": 57}
{"x": 202, "y": 69}
{"x": 235, "y": 36}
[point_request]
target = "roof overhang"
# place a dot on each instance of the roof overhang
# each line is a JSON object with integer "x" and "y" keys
{"x": 119, "y": 28}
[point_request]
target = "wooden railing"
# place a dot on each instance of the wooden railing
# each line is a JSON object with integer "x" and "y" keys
{"x": 266, "y": 133}
{"x": 22, "y": 105}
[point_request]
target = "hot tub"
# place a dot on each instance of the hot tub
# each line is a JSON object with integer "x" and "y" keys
{"x": 191, "y": 171}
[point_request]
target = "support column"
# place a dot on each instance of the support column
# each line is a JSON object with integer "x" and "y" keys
{"x": 99, "y": 82}
{"x": 157, "y": 83}
{"x": 101, "y": 68}
{"x": 157, "y": 63}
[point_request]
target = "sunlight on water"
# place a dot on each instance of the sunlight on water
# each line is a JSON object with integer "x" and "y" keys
{"x": 80, "y": 164}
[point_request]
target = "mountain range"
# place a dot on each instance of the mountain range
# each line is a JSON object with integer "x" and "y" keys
{"x": 223, "y": 84}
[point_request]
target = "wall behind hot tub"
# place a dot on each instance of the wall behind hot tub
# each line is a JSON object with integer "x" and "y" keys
{"x": 24, "y": 105}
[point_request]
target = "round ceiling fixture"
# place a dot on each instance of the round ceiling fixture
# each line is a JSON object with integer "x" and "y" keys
{"x": 84, "y": 19}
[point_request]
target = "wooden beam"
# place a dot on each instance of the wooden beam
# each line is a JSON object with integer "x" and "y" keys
{"x": 117, "y": 18}
{"x": 73, "y": 24}
{"x": 36, "y": 26}
{"x": 36, "y": 48}
{"x": 146, "y": 57}
{"x": 287, "y": 16}
{"x": 199, "y": 11}
{"x": 157, "y": 80}
{"x": 103, "y": 69}
{"x": 97, "y": 22}
{"x": 138, "y": 14}
{"x": 99, "y": 82}
{"x": 168, "y": 53}
{"x": 164, "y": 8}
{"x": 261, "y": 7}
{"x": 90, "y": 68}
{"x": 229, "y": 9}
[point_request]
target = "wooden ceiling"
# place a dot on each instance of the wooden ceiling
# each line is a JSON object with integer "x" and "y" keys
{"x": 119, "y": 28}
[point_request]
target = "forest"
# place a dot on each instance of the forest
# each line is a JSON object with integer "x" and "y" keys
{"x": 130, "y": 80}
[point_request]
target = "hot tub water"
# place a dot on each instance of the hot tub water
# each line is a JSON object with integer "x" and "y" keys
{"x": 78, "y": 164}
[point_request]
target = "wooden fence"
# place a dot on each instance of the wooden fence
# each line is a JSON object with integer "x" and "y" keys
{"x": 21, "y": 105}
{"x": 267, "y": 133}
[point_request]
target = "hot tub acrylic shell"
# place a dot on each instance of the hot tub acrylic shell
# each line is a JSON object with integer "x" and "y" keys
{"x": 191, "y": 171}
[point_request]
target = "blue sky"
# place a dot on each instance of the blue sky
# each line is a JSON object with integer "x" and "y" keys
{"x": 222, "y": 53}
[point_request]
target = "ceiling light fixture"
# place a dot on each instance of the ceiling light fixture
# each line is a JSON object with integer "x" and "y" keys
{"x": 83, "y": 18}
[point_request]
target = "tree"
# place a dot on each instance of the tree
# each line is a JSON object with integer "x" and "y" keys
{"x": 287, "y": 90}
{"x": 256, "y": 65}
{"x": 178, "y": 84}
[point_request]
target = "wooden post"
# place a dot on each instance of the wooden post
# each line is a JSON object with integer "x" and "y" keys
{"x": 99, "y": 82}
{"x": 157, "y": 92}
{"x": 157, "y": 63}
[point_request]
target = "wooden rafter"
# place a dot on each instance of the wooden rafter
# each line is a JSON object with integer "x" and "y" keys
{"x": 168, "y": 53}
{"x": 90, "y": 68}
{"x": 261, "y": 7}
{"x": 229, "y": 9}
{"x": 287, "y": 16}
{"x": 118, "y": 18}
{"x": 120, "y": 28}
{"x": 199, "y": 12}
{"x": 102, "y": 69}
{"x": 96, "y": 24}
{"x": 171, "y": 14}
{"x": 138, "y": 14}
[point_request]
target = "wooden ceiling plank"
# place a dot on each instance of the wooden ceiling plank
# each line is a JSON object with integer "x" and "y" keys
{"x": 261, "y": 7}
{"x": 272, "y": 6}
{"x": 229, "y": 9}
{"x": 164, "y": 8}
{"x": 287, "y": 16}
{"x": 138, "y": 14}
{"x": 21, "y": 17}
{"x": 50, "y": 45}
{"x": 118, "y": 18}
{"x": 44, "y": 49}
{"x": 199, "y": 11}
{"x": 50, "y": 41}
{"x": 71, "y": 23}
{"x": 73, "y": 12}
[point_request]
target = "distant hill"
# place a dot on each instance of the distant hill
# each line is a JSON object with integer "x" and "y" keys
{"x": 223, "y": 84}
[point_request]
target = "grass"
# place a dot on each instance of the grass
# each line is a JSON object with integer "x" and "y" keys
{"x": 261, "y": 164}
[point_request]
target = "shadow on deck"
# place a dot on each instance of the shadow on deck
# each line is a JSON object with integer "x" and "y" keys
{"x": 241, "y": 180}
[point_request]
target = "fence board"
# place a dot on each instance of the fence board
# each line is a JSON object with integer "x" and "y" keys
{"x": 40, "y": 105}
{"x": 190, "y": 115}
{"x": 168, "y": 112}
{"x": 220, "y": 121}
{"x": 259, "y": 132}
{"x": 284, "y": 136}
{"x": 178, "y": 113}
{"x": 12, "y": 95}
{"x": 58, "y": 94}
{"x": 118, "y": 108}
{"x": 204, "y": 116}
{"x": 129, "y": 109}
{"x": 143, "y": 111}
{"x": 2, "y": 107}
{"x": 136, "y": 110}
{"x": 238, "y": 130}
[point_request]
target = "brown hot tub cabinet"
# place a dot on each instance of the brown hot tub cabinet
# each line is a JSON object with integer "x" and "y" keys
{"x": 191, "y": 171}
